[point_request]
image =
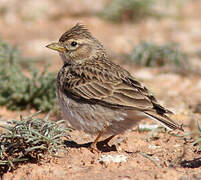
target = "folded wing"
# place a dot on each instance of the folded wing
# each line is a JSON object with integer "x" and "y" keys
{"x": 115, "y": 89}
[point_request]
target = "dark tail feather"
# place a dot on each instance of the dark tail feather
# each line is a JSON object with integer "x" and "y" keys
{"x": 164, "y": 120}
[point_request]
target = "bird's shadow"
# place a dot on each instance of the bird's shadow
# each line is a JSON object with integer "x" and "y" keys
{"x": 195, "y": 163}
{"x": 102, "y": 146}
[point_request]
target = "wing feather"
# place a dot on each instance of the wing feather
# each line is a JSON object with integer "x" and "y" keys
{"x": 107, "y": 89}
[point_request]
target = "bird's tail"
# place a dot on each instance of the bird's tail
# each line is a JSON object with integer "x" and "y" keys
{"x": 164, "y": 120}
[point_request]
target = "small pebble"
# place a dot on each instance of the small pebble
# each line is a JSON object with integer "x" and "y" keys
{"x": 153, "y": 147}
{"x": 113, "y": 158}
{"x": 147, "y": 127}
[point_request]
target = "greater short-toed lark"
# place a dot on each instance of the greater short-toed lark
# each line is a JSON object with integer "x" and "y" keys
{"x": 98, "y": 96}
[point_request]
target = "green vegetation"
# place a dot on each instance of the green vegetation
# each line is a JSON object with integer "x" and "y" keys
{"x": 149, "y": 54}
{"x": 130, "y": 10}
{"x": 196, "y": 134}
{"x": 19, "y": 91}
{"x": 28, "y": 140}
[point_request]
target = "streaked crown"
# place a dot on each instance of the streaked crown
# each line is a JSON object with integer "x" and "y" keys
{"x": 77, "y": 31}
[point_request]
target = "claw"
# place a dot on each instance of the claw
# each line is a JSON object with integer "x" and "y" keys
{"x": 94, "y": 150}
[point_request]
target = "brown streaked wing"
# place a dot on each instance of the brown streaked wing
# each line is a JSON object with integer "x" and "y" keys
{"x": 118, "y": 93}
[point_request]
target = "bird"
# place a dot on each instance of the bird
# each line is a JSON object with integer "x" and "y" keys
{"x": 98, "y": 96}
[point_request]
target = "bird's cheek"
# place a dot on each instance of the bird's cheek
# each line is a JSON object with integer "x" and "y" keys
{"x": 81, "y": 54}
{"x": 65, "y": 57}
{"x": 85, "y": 52}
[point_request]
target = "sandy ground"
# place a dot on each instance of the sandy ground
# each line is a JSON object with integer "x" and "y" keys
{"x": 172, "y": 157}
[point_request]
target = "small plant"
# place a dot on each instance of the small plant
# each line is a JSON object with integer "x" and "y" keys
{"x": 120, "y": 10}
{"x": 19, "y": 91}
{"x": 28, "y": 140}
{"x": 196, "y": 134}
{"x": 149, "y": 54}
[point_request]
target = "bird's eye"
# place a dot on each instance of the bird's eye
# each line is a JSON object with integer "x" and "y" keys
{"x": 73, "y": 43}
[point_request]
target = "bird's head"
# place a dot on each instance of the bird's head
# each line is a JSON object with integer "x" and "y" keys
{"x": 77, "y": 45}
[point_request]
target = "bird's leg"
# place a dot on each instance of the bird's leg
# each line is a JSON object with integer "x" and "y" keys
{"x": 104, "y": 146}
{"x": 108, "y": 139}
{"x": 93, "y": 145}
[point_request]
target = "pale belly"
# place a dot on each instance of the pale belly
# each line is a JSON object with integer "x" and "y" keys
{"x": 92, "y": 118}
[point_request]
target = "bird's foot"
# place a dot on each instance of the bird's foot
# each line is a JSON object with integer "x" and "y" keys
{"x": 94, "y": 149}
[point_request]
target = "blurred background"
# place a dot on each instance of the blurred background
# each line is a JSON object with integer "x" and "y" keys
{"x": 152, "y": 39}
{"x": 120, "y": 25}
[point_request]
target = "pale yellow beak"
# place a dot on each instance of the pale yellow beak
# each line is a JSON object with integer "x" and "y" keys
{"x": 57, "y": 47}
